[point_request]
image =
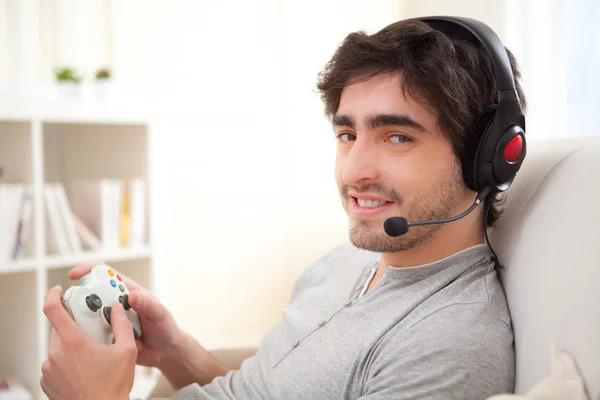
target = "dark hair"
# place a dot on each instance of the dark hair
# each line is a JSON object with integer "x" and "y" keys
{"x": 452, "y": 78}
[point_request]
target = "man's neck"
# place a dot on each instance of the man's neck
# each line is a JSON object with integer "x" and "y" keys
{"x": 449, "y": 239}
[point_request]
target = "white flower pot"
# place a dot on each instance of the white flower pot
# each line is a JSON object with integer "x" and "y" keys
{"x": 104, "y": 88}
{"x": 68, "y": 90}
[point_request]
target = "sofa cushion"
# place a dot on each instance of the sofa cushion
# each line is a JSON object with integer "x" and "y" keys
{"x": 547, "y": 241}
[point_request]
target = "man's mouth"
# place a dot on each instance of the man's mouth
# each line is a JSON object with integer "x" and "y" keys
{"x": 366, "y": 207}
{"x": 370, "y": 203}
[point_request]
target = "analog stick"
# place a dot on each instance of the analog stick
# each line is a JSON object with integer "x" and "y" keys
{"x": 106, "y": 311}
{"x": 93, "y": 302}
{"x": 124, "y": 299}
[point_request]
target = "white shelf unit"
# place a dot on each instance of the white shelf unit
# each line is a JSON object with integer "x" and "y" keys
{"x": 61, "y": 141}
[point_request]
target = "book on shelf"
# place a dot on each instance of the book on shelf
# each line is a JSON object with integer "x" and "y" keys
{"x": 90, "y": 240}
{"x": 15, "y": 219}
{"x": 112, "y": 209}
{"x": 100, "y": 214}
{"x": 25, "y": 221}
{"x": 57, "y": 242}
{"x": 66, "y": 216}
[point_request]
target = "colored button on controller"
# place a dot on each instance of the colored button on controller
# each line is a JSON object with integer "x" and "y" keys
{"x": 119, "y": 277}
{"x": 113, "y": 283}
{"x": 111, "y": 272}
{"x": 121, "y": 288}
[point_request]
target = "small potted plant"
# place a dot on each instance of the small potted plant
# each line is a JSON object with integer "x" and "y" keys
{"x": 68, "y": 82}
{"x": 103, "y": 82}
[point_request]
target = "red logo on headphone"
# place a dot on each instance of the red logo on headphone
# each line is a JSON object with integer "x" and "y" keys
{"x": 512, "y": 150}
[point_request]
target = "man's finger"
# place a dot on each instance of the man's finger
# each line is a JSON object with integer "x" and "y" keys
{"x": 131, "y": 285}
{"x": 58, "y": 316}
{"x": 84, "y": 269}
{"x": 54, "y": 338}
{"x": 140, "y": 345}
{"x": 46, "y": 367}
{"x": 54, "y": 349}
{"x": 147, "y": 306}
{"x": 122, "y": 328}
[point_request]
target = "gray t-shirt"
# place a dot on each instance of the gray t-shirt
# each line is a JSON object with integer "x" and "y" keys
{"x": 436, "y": 331}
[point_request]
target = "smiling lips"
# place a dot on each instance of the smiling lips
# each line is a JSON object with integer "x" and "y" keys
{"x": 369, "y": 205}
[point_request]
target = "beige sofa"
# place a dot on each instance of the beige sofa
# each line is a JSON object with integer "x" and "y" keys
{"x": 547, "y": 240}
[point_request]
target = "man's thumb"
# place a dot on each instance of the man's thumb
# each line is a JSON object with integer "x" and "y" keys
{"x": 122, "y": 328}
{"x": 147, "y": 306}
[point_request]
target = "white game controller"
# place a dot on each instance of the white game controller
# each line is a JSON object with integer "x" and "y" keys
{"x": 91, "y": 302}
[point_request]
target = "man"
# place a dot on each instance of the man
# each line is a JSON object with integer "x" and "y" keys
{"x": 422, "y": 315}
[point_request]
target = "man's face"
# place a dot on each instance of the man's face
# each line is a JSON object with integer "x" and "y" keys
{"x": 392, "y": 160}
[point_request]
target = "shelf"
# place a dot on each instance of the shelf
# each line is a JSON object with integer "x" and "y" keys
{"x": 71, "y": 111}
{"x": 104, "y": 256}
{"x": 19, "y": 346}
{"x": 62, "y": 141}
{"x": 55, "y": 261}
{"x": 15, "y": 266}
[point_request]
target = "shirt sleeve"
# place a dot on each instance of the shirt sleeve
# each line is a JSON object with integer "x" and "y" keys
{"x": 431, "y": 361}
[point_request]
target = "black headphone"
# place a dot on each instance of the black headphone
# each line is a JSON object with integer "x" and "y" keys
{"x": 493, "y": 161}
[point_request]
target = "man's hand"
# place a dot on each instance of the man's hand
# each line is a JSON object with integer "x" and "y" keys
{"x": 163, "y": 345}
{"x": 159, "y": 329}
{"x": 78, "y": 366}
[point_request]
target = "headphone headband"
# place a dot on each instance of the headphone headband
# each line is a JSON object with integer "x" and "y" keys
{"x": 479, "y": 33}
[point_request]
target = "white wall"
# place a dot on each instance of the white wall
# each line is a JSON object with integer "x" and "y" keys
{"x": 81, "y": 32}
{"x": 19, "y": 41}
{"x": 213, "y": 74}
{"x": 492, "y": 13}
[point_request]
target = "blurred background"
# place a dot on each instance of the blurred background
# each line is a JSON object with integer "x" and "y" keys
{"x": 212, "y": 105}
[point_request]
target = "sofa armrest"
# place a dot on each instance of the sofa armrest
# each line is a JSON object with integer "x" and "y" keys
{"x": 231, "y": 358}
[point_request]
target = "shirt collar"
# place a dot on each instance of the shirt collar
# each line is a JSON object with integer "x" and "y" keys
{"x": 458, "y": 262}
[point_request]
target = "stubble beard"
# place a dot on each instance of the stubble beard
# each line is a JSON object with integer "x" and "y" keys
{"x": 436, "y": 203}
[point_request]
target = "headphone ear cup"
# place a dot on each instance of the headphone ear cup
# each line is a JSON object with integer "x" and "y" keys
{"x": 470, "y": 161}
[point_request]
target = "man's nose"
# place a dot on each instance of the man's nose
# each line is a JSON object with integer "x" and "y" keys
{"x": 361, "y": 164}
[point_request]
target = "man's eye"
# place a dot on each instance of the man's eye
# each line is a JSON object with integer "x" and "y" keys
{"x": 399, "y": 139}
{"x": 346, "y": 137}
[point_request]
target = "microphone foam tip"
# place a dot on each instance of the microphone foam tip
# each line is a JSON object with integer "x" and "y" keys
{"x": 395, "y": 226}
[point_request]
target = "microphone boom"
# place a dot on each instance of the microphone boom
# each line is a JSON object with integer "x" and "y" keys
{"x": 397, "y": 226}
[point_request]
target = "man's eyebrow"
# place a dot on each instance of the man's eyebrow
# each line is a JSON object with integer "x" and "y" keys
{"x": 343, "y": 120}
{"x": 379, "y": 120}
